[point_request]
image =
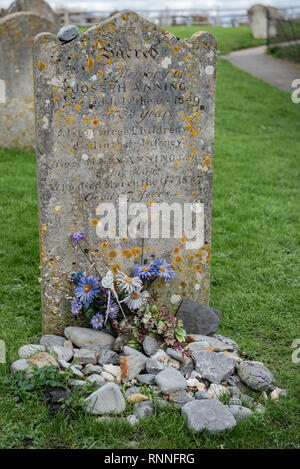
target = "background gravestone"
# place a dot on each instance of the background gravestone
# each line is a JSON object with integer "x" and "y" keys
{"x": 257, "y": 16}
{"x": 39, "y": 7}
{"x": 17, "y": 114}
{"x": 124, "y": 109}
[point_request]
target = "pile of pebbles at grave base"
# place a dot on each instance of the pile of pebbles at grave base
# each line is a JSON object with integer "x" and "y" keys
{"x": 193, "y": 379}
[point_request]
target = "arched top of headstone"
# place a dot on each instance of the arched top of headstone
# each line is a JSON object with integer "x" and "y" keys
{"x": 39, "y": 7}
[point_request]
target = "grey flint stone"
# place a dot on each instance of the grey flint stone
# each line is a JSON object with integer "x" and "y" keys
{"x": 198, "y": 318}
{"x": 151, "y": 345}
{"x": 180, "y": 398}
{"x": 143, "y": 409}
{"x": 154, "y": 366}
{"x": 97, "y": 380}
{"x": 106, "y": 400}
{"x": 170, "y": 380}
{"x": 49, "y": 340}
{"x": 108, "y": 357}
{"x": 255, "y": 375}
{"x": 68, "y": 33}
{"x": 127, "y": 351}
{"x": 239, "y": 412}
{"x": 85, "y": 356}
{"x": 176, "y": 355}
{"x": 208, "y": 415}
{"x": 203, "y": 341}
{"x": 146, "y": 379}
{"x": 215, "y": 367}
{"x": 31, "y": 349}
{"x": 84, "y": 337}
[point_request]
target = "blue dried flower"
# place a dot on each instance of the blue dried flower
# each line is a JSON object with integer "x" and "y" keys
{"x": 163, "y": 269}
{"x": 144, "y": 272}
{"x": 87, "y": 289}
{"x": 97, "y": 321}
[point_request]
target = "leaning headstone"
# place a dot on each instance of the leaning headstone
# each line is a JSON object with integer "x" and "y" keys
{"x": 39, "y": 7}
{"x": 125, "y": 122}
{"x": 258, "y": 19}
{"x": 17, "y": 113}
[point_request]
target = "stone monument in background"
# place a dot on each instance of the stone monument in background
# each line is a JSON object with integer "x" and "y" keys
{"x": 258, "y": 19}
{"x": 17, "y": 113}
{"x": 124, "y": 119}
{"x": 39, "y": 7}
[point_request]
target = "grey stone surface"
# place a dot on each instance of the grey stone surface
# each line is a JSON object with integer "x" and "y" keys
{"x": 85, "y": 356}
{"x": 170, "y": 380}
{"x": 215, "y": 367}
{"x": 198, "y": 318}
{"x": 143, "y": 409}
{"x": 84, "y": 337}
{"x": 17, "y": 31}
{"x": 234, "y": 401}
{"x": 180, "y": 398}
{"x": 68, "y": 366}
{"x": 176, "y": 355}
{"x": 20, "y": 365}
{"x": 226, "y": 340}
{"x": 248, "y": 400}
{"x": 239, "y": 412}
{"x": 187, "y": 367}
{"x": 154, "y": 366}
{"x": 151, "y": 345}
{"x": 106, "y": 400}
{"x": 68, "y": 33}
{"x": 255, "y": 375}
{"x": 140, "y": 102}
{"x": 132, "y": 351}
{"x": 132, "y": 390}
{"x": 39, "y": 7}
{"x": 131, "y": 366}
{"x": 27, "y": 351}
{"x": 92, "y": 369}
{"x": 61, "y": 353}
{"x": 202, "y": 395}
{"x": 146, "y": 379}
{"x": 208, "y": 415}
{"x": 108, "y": 356}
{"x": 257, "y": 16}
{"x": 132, "y": 419}
{"x": 41, "y": 359}
{"x": 201, "y": 342}
{"x": 217, "y": 390}
{"x": 49, "y": 340}
{"x": 78, "y": 383}
{"x": 97, "y": 380}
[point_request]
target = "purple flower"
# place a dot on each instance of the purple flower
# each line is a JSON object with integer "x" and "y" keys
{"x": 163, "y": 269}
{"x": 87, "y": 289}
{"x": 97, "y": 321}
{"x": 76, "y": 306}
{"x": 77, "y": 236}
{"x": 144, "y": 272}
{"x": 113, "y": 309}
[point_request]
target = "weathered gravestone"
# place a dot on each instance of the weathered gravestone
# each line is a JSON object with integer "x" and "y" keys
{"x": 124, "y": 115}
{"x": 39, "y": 7}
{"x": 17, "y": 114}
{"x": 258, "y": 19}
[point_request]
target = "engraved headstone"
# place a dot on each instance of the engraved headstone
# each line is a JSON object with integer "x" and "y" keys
{"x": 125, "y": 123}
{"x": 39, "y": 7}
{"x": 17, "y": 113}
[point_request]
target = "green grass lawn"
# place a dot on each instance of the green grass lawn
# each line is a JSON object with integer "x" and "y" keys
{"x": 255, "y": 276}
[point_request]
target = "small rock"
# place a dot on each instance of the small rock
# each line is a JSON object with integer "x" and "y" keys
{"x": 41, "y": 359}
{"x": 68, "y": 344}
{"x": 67, "y": 366}
{"x": 84, "y": 337}
{"x": 132, "y": 419}
{"x": 202, "y": 395}
{"x": 132, "y": 390}
{"x": 255, "y": 375}
{"x": 247, "y": 399}
{"x": 234, "y": 391}
{"x": 143, "y": 409}
{"x": 67, "y": 33}
{"x": 215, "y": 367}
{"x": 146, "y": 379}
{"x": 170, "y": 380}
{"x": 21, "y": 365}
{"x": 227, "y": 341}
{"x": 198, "y": 318}
{"x": 277, "y": 393}
{"x": 234, "y": 401}
{"x": 131, "y": 366}
{"x": 201, "y": 342}
{"x": 187, "y": 367}
{"x": 49, "y": 340}
{"x": 97, "y": 380}
{"x": 61, "y": 352}
{"x": 180, "y": 398}
{"x": 106, "y": 400}
{"x": 92, "y": 370}
{"x": 217, "y": 390}
{"x": 151, "y": 345}
{"x": 85, "y": 356}
{"x": 31, "y": 349}
{"x": 211, "y": 415}
{"x": 195, "y": 383}
{"x": 174, "y": 363}
{"x": 108, "y": 377}
{"x": 154, "y": 367}
{"x": 176, "y": 355}
{"x": 109, "y": 357}
{"x": 119, "y": 344}
{"x": 239, "y": 412}
{"x": 113, "y": 370}
{"x": 78, "y": 383}
{"x": 137, "y": 398}
{"x": 56, "y": 397}
{"x": 127, "y": 351}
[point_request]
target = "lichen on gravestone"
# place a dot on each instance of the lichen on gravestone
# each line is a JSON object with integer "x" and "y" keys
{"x": 124, "y": 116}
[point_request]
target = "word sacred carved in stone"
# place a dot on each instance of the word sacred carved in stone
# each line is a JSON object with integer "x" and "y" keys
{"x": 125, "y": 109}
